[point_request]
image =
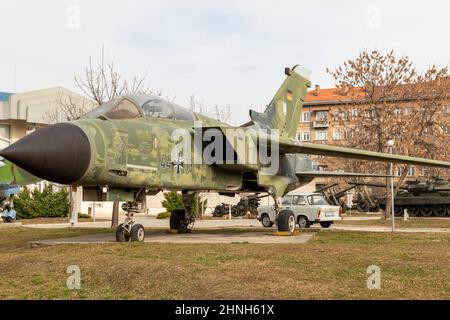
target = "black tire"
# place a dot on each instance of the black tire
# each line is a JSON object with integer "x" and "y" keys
{"x": 218, "y": 211}
{"x": 121, "y": 234}
{"x": 286, "y": 221}
{"x": 363, "y": 206}
{"x": 235, "y": 211}
{"x": 398, "y": 211}
{"x": 426, "y": 211}
{"x": 413, "y": 211}
{"x": 325, "y": 224}
{"x": 375, "y": 208}
{"x": 439, "y": 210}
{"x": 303, "y": 222}
{"x": 265, "y": 220}
{"x": 137, "y": 233}
{"x": 175, "y": 218}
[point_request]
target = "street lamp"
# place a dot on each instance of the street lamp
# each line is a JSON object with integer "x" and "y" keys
{"x": 390, "y": 144}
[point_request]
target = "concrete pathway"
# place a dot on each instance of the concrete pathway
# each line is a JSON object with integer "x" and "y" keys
{"x": 193, "y": 238}
{"x": 10, "y": 225}
{"x": 152, "y": 222}
{"x": 388, "y": 229}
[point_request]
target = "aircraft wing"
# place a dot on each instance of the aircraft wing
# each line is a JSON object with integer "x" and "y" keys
{"x": 340, "y": 174}
{"x": 333, "y": 151}
{"x": 11, "y": 175}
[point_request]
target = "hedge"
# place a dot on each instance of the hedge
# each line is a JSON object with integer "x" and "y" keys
{"x": 33, "y": 204}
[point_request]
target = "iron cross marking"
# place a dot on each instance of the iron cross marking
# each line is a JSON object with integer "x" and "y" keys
{"x": 178, "y": 164}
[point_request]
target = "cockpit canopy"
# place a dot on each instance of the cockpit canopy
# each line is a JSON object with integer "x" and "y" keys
{"x": 140, "y": 106}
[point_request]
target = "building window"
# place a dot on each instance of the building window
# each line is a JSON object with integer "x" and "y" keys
{"x": 343, "y": 115}
{"x": 306, "y": 116}
{"x": 354, "y": 113}
{"x": 398, "y": 112}
{"x": 4, "y": 136}
{"x": 306, "y": 136}
{"x": 336, "y": 115}
{"x": 321, "y": 135}
{"x": 299, "y": 135}
{"x": 321, "y": 116}
{"x": 411, "y": 172}
{"x": 336, "y": 135}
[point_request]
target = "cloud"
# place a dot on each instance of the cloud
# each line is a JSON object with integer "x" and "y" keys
{"x": 228, "y": 52}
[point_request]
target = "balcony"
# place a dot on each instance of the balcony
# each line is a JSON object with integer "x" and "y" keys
{"x": 321, "y": 124}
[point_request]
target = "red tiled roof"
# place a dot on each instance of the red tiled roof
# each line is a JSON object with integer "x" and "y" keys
{"x": 333, "y": 95}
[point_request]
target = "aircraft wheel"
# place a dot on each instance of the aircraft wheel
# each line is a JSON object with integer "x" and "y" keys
{"x": 137, "y": 233}
{"x": 426, "y": 211}
{"x": 265, "y": 220}
{"x": 121, "y": 234}
{"x": 175, "y": 218}
{"x": 286, "y": 221}
{"x": 303, "y": 222}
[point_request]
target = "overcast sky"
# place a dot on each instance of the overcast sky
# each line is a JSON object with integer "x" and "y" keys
{"x": 227, "y": 52}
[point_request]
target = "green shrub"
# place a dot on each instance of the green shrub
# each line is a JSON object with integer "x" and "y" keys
{"x": 173, "y": 200}
{"x": 163, "y": 215}
{"x": 41, "y": 204}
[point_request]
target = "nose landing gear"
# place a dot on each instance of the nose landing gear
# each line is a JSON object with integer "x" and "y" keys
{"x": 129, "y": 230}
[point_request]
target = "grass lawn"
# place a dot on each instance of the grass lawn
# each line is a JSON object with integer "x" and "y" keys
{"x": 412, "y": 223}
{"x": 43, "y": 220}
{"x": 331, "y": 266}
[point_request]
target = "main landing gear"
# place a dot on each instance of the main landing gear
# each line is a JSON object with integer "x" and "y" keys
{"x": 182, "y": 219}
{"x": 285, "y": 219}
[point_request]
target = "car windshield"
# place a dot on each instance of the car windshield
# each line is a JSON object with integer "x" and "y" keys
{"x": 115, "y": 109}
{"x": 286, "y": 200}
{"x": 317, "y": 199}
{"x": 299, "y": 201}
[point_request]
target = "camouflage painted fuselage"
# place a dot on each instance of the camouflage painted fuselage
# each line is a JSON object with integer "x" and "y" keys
{"x": 137, "y": 153}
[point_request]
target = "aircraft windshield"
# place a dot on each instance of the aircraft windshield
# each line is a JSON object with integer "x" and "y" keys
{"x": 115, "y": 109}
{"x": 160, "y": 108}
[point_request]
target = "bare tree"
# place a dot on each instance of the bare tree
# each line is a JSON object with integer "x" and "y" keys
{"x": 219, "y": 113}
{"x": 389, "y": 99}
{"x": 68, "y": 107}
{"x": 102, "y": 84}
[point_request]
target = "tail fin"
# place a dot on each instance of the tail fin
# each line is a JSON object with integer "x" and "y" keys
{"x": 284, "y": 111}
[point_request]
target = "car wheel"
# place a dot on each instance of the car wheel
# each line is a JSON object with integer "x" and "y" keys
{"x": 325, "y": 224}
{"x": 286, "y": 221}
{"x": 265, "y": 220}
{"x": 303, "y": 222}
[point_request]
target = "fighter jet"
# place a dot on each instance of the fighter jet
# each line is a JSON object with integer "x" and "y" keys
{"x": 138, "y": 145}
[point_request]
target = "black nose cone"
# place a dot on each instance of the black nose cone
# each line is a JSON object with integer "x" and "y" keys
{"x": 60, "y": 153}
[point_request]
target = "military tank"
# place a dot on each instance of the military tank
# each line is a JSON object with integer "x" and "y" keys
{"x": 425, "y": 198}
